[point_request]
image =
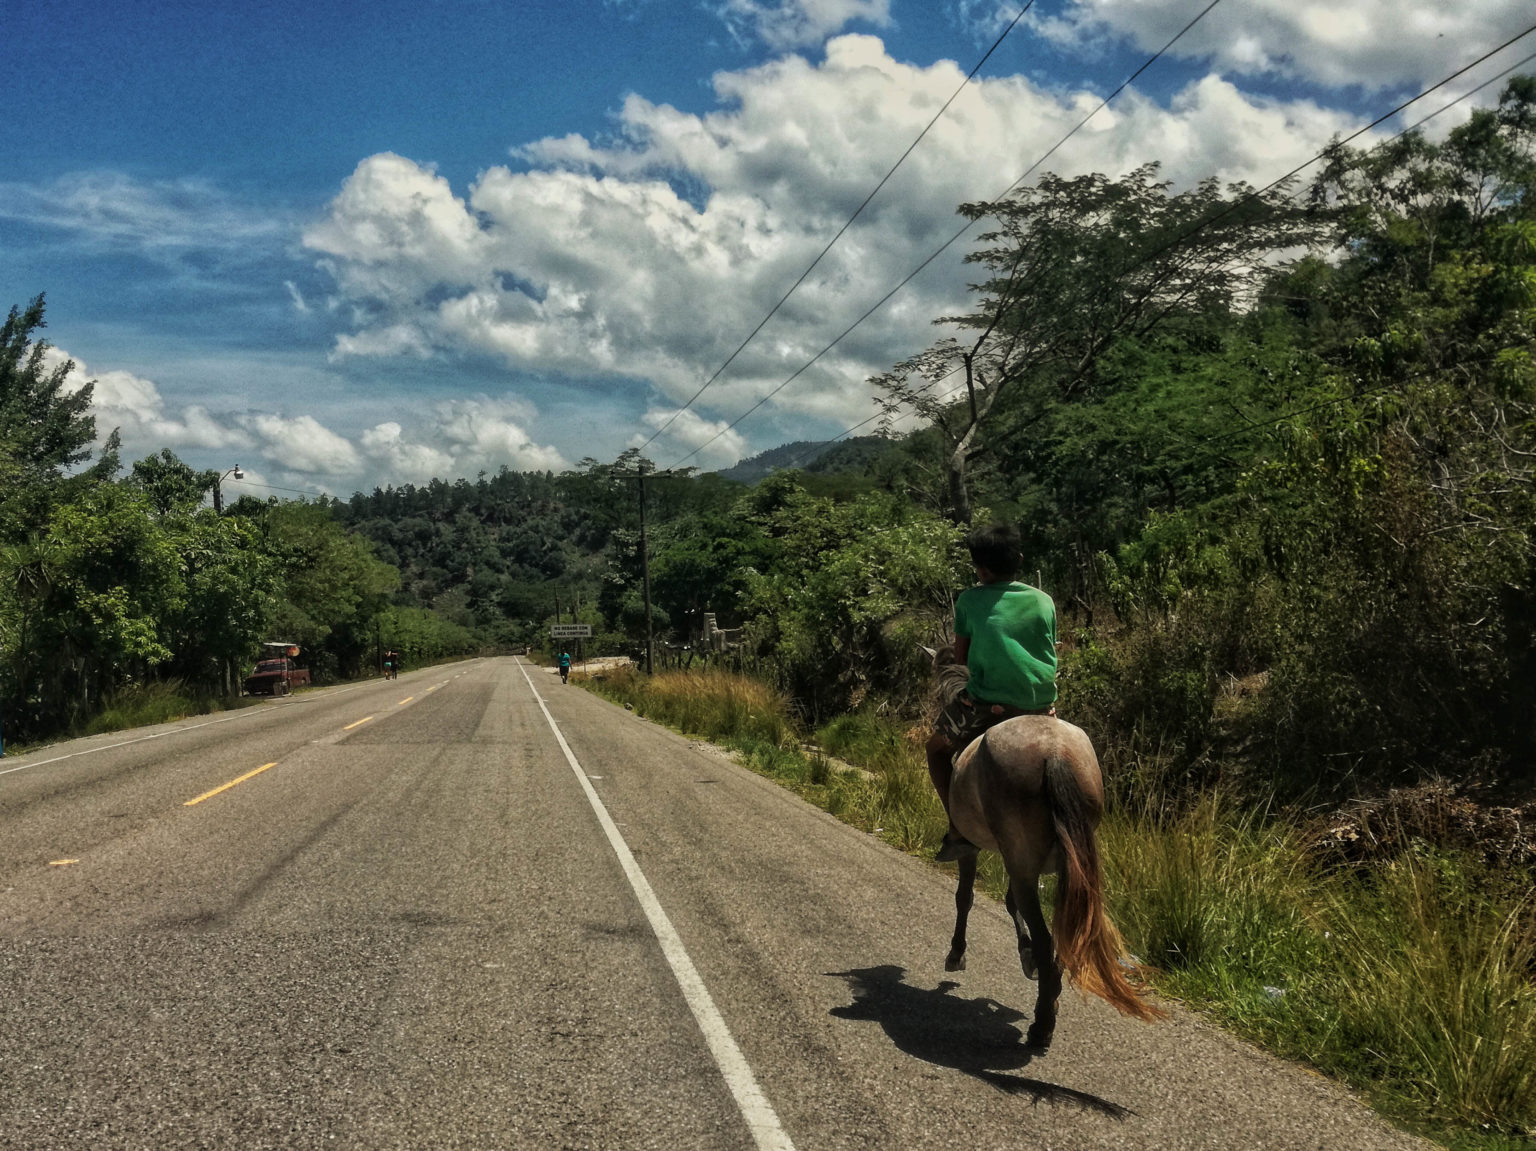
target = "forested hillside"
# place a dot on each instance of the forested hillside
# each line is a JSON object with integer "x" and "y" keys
{"x": 1271, "y": 453}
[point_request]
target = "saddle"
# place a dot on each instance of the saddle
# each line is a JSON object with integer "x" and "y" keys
{"x": 1003, "y": 711}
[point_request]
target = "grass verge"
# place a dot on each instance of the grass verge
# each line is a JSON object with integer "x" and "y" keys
{"x": 163, "y": 701}
{"x": 1406, "y": 980}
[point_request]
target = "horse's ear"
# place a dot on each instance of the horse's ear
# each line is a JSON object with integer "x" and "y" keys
{"x": 931, "y": 652}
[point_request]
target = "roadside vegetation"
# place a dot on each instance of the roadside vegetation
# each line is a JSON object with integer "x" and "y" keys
{"x": 1408, "y": 977}
{"x": 162, "y": 701}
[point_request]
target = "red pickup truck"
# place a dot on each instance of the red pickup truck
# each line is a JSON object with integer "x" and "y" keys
{"x": 276, "y": 676}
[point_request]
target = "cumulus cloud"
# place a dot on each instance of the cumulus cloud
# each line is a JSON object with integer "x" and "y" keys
{"x": 1377, "y": 44}
{"x": 454, "y": 438}
{"x": 706, "y": 444}
{"x": 484, "y": 434}
{"x": 646, "y": 259}
{"x": 303, "y": 444}
{"x": 134, "y": 407}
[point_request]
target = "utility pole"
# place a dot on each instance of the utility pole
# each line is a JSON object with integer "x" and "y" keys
{"x": 641, "y": 476}
{"x": 645, "y": 581}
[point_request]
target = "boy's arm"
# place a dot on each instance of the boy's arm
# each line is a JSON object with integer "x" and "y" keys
{"x": 962, "y": 648}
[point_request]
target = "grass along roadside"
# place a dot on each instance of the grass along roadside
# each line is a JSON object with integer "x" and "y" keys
{"x": 162, "y": 701}
{"x": 1406, "y": 979}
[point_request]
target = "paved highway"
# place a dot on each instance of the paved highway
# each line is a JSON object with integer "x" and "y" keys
{"x": 474, "y": 908}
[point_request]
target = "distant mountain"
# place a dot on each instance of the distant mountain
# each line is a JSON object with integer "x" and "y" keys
{"x": 820, "y": 456}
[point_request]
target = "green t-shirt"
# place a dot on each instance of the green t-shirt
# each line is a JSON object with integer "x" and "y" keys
{"x": 1012, "y": 629}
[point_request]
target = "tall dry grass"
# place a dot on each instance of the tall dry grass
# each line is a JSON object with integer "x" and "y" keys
{"x": 1405, "y": 979}
{"x": 1409, "y": 979}
{"x": 712, "y": 703}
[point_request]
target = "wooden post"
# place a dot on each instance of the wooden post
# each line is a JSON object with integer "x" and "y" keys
{"x": 645, "y": 576}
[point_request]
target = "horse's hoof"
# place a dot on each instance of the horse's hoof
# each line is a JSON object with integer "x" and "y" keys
{"x": 1038, "y": 1042}
{"x": 954, "y": 963}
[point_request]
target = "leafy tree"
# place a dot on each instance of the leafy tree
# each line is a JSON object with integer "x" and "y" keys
{"x": 331, "y": 588}
{"x": 847, "y": 593}
{"x": 45, "y": 427}
{"x": 1073, "y": 266}
{"x": 1378, "y": 562}
{"x": 172, "y": 486}
{"x": 86, "y": 597}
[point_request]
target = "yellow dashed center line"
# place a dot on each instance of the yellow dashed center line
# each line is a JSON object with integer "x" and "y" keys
{"x": 405, "y": 701}
{"x": 359, "y": 723}
{"x": 230, "y": 784}
{"x": 61, "y": 862}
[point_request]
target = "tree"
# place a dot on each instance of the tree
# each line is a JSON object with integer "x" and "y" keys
{"x": 1075, "y": 265}
{"x": 331, "y": 587}
{"x": 45, "y": 427}
{"x": 171, "y": 485}
{"x": 86, "y": 599}
{"x": 846, "y": 593}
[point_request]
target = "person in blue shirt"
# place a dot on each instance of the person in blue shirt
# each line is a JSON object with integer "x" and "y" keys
{"x": 1005, "y": 635}
{"x": 565, "y": 666}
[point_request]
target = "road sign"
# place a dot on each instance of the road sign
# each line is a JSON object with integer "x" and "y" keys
{"x": 570, "y": 631}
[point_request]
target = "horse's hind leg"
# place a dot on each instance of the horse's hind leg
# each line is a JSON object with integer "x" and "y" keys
{"x": 965, "y": 893}
{"x": 1037, "y": 954}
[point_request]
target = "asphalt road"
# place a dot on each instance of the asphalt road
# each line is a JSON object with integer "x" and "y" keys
{"x": 409, "y": 925}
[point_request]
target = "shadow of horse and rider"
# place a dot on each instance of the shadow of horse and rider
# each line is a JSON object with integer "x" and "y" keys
{"x": 976, "y": 1037}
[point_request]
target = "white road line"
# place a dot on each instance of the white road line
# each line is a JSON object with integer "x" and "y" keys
{"x": 126, "y": 742}
{"x": 245, "y": 713}
{"x": 755, "y": 1108}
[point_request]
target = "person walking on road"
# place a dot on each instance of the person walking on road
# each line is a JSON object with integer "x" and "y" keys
{"x": 565, "y": 667}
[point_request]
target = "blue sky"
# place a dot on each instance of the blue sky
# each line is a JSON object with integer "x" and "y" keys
{"x": 353, "y": 244}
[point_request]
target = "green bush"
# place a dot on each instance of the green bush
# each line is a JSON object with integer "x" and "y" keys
{"x": 160, "y": 701}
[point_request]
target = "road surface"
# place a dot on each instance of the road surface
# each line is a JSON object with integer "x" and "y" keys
{"x": 474, "y": 908}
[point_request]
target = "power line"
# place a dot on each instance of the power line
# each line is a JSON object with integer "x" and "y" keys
{"x": 949, "y": 242}
{"x": 1236, "y": 204}
{"x": 1151, "y": 255}
{"x": 848, "y": 224}
{"x": 1397, "y": 135}
{"x": 279, "y": 488}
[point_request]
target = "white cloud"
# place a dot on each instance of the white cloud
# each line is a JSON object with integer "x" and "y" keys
{"x": 134, "y": 407}
{"x": 111, "y": 208}
{"x": 454, "y": 438}
{"x": 786, "y": 24}
{"x": 485, "y": 434}
{"x": 303, "y": 444}
{"x": 707, "y": 444}
{"x": 1376, "y": 44}
{"x": 593, "y": 263}
{"x": 404, "y": 462}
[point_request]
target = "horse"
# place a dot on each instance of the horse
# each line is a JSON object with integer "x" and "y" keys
{"x": 1030, "y": 789}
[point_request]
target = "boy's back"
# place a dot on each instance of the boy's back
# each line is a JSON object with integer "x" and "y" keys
{"x": 1012, "y": 632}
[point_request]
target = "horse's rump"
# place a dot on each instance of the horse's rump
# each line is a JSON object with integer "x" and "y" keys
{"x": 1042, "y": 797}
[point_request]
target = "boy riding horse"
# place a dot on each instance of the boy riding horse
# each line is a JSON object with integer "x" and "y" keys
{"x": 1005, "y": 633}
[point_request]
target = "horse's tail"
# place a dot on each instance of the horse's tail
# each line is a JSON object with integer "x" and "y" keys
{"x": 1087, "y": 942}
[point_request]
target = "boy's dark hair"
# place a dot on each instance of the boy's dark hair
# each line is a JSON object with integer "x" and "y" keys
{"x": 996, "y": 547}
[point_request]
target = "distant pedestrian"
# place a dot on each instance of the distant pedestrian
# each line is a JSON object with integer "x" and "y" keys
{"x": 565, "y": 667}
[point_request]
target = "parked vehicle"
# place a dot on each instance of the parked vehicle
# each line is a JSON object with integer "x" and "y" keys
{"x": 277, "y": 672}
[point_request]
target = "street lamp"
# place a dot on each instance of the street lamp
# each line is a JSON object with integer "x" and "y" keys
{"x": 218, "y": 496}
